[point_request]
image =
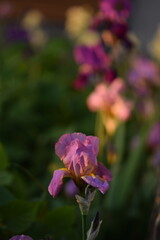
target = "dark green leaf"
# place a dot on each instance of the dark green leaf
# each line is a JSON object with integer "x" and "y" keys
{"x": 3, "y": 158}
{"x": 5, "y": 178}
{"x": 60, "y": 220}
{"x": 5, "y": 196}
{"x": 18, "y": 215}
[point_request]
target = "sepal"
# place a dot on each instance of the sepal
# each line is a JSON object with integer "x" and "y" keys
{"x": 85, "y": 202}
{"x": 94, "y": 228}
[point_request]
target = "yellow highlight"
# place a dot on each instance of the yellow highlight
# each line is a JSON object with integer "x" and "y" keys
{"x": 64, "y": 169}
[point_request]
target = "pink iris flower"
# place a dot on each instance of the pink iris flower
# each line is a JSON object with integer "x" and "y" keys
{"x": 107, "y": 98}
{"x": 113, "y": 108}
{"x": 78, "y": 153}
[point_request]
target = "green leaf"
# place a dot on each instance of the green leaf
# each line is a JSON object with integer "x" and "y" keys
{"x": 3, "y": 158}
{"x": 18, "y": 215}
{"x": 5, "y": 178}
{"x": 5, "y": 196}
{"x": 124, "y": 177}
{"x": 120, "y": 141}
{"x": 131, "y": 171}
{"x": 60, "y": 221}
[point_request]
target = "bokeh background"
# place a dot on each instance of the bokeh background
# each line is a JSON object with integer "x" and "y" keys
{"x": 39, "y": 103}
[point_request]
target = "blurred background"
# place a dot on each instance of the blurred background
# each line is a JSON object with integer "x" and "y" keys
{"x": 44, "y": 87}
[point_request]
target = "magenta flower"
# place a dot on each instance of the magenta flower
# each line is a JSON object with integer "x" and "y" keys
{"x": 95, "y": 66}
{"x": 82, "y": 80}
{"x": 93, "y": 56}
{"x": 70, "y": 188}
{"x": 78, "y": 153}
{"x": 92, "y": 77}
{"x": 144, "y": 73}
{"x": 118, "y": 29}
{"x": 115, "y": 10}
{"x": 154, "y": 136}
{"x": 21, "y": 237}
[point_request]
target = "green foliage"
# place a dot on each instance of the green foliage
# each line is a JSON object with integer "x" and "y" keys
{"x": 5, "y": 196}
{"x": 18, "y": 215}
{"x": 61, "y": 221}
{"x": 5, "y": 178}
{"x": 3, "y": 158}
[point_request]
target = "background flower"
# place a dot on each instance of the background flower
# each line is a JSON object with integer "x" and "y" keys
{"x": 21, "y": 237}
{"x": 143, "y": 74}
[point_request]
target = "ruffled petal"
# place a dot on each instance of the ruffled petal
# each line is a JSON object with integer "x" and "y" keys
{"x": 80, "y": 160}
{"x": 93, "y": 142}
{"x": 64, "y": 142}
{"x": 97, "y": 182}
{"x": 103, "y": 172}
{"x": 57, "y": 181}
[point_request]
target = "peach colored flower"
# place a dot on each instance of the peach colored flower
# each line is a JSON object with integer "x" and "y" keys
{"x": 108, "y": 100}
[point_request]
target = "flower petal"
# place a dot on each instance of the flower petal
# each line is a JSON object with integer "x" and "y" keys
{"x": 21, "y": 237}
{"x": 71, "y": 188}
{"x": 80, "y": 160}
{"x": 64, "y": 141}
{"x": 97, "y": 182}
{"x": 57, "y": 181}
{"x": 93, "y": 142}
{"x": 103, "y": 172}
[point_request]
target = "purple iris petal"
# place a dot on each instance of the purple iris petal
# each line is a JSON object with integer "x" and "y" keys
{"x": 144, "y": 73}
{"x": 154, "y": 137}
{"x": 92, "y": 142}
{"x": 64, "y": 141}
{"x": 116, "y": 10}
{"x": 119, "y": 29}
{"x": 110, "y": 75}
{"x": 57, "y": 181}
{"x": 103, "y": 172}
{"x": 70, "y": 188}
{"x": 100, "y": 179}
{"x": 17, "y": 34}
{"x": 93, "y": 56}
{"x": 67, "y": 148}
{"x": 82, "y": 80}
{"x": 97, "y": 182}
{"x": 21, "y": 237}
{"x": 80, "y": 159}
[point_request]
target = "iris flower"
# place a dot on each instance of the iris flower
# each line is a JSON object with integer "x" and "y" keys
{"x": 143, "y": 75}
{"x": 116, "y": 10}
{"x": 154, "y": 136}
{"x": 107, "y": 99}
{"x": 21, "y": 237}
{"x": 95, "y": 65}
{"x": 78, "y": 153}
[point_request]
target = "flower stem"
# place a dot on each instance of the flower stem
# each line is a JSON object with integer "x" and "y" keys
{"x": 84, "y": 217}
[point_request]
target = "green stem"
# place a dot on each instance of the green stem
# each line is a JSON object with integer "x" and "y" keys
{"x": 84, "y": 217}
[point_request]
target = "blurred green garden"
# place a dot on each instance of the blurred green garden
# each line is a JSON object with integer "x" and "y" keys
{"x": 45, "y": 85}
